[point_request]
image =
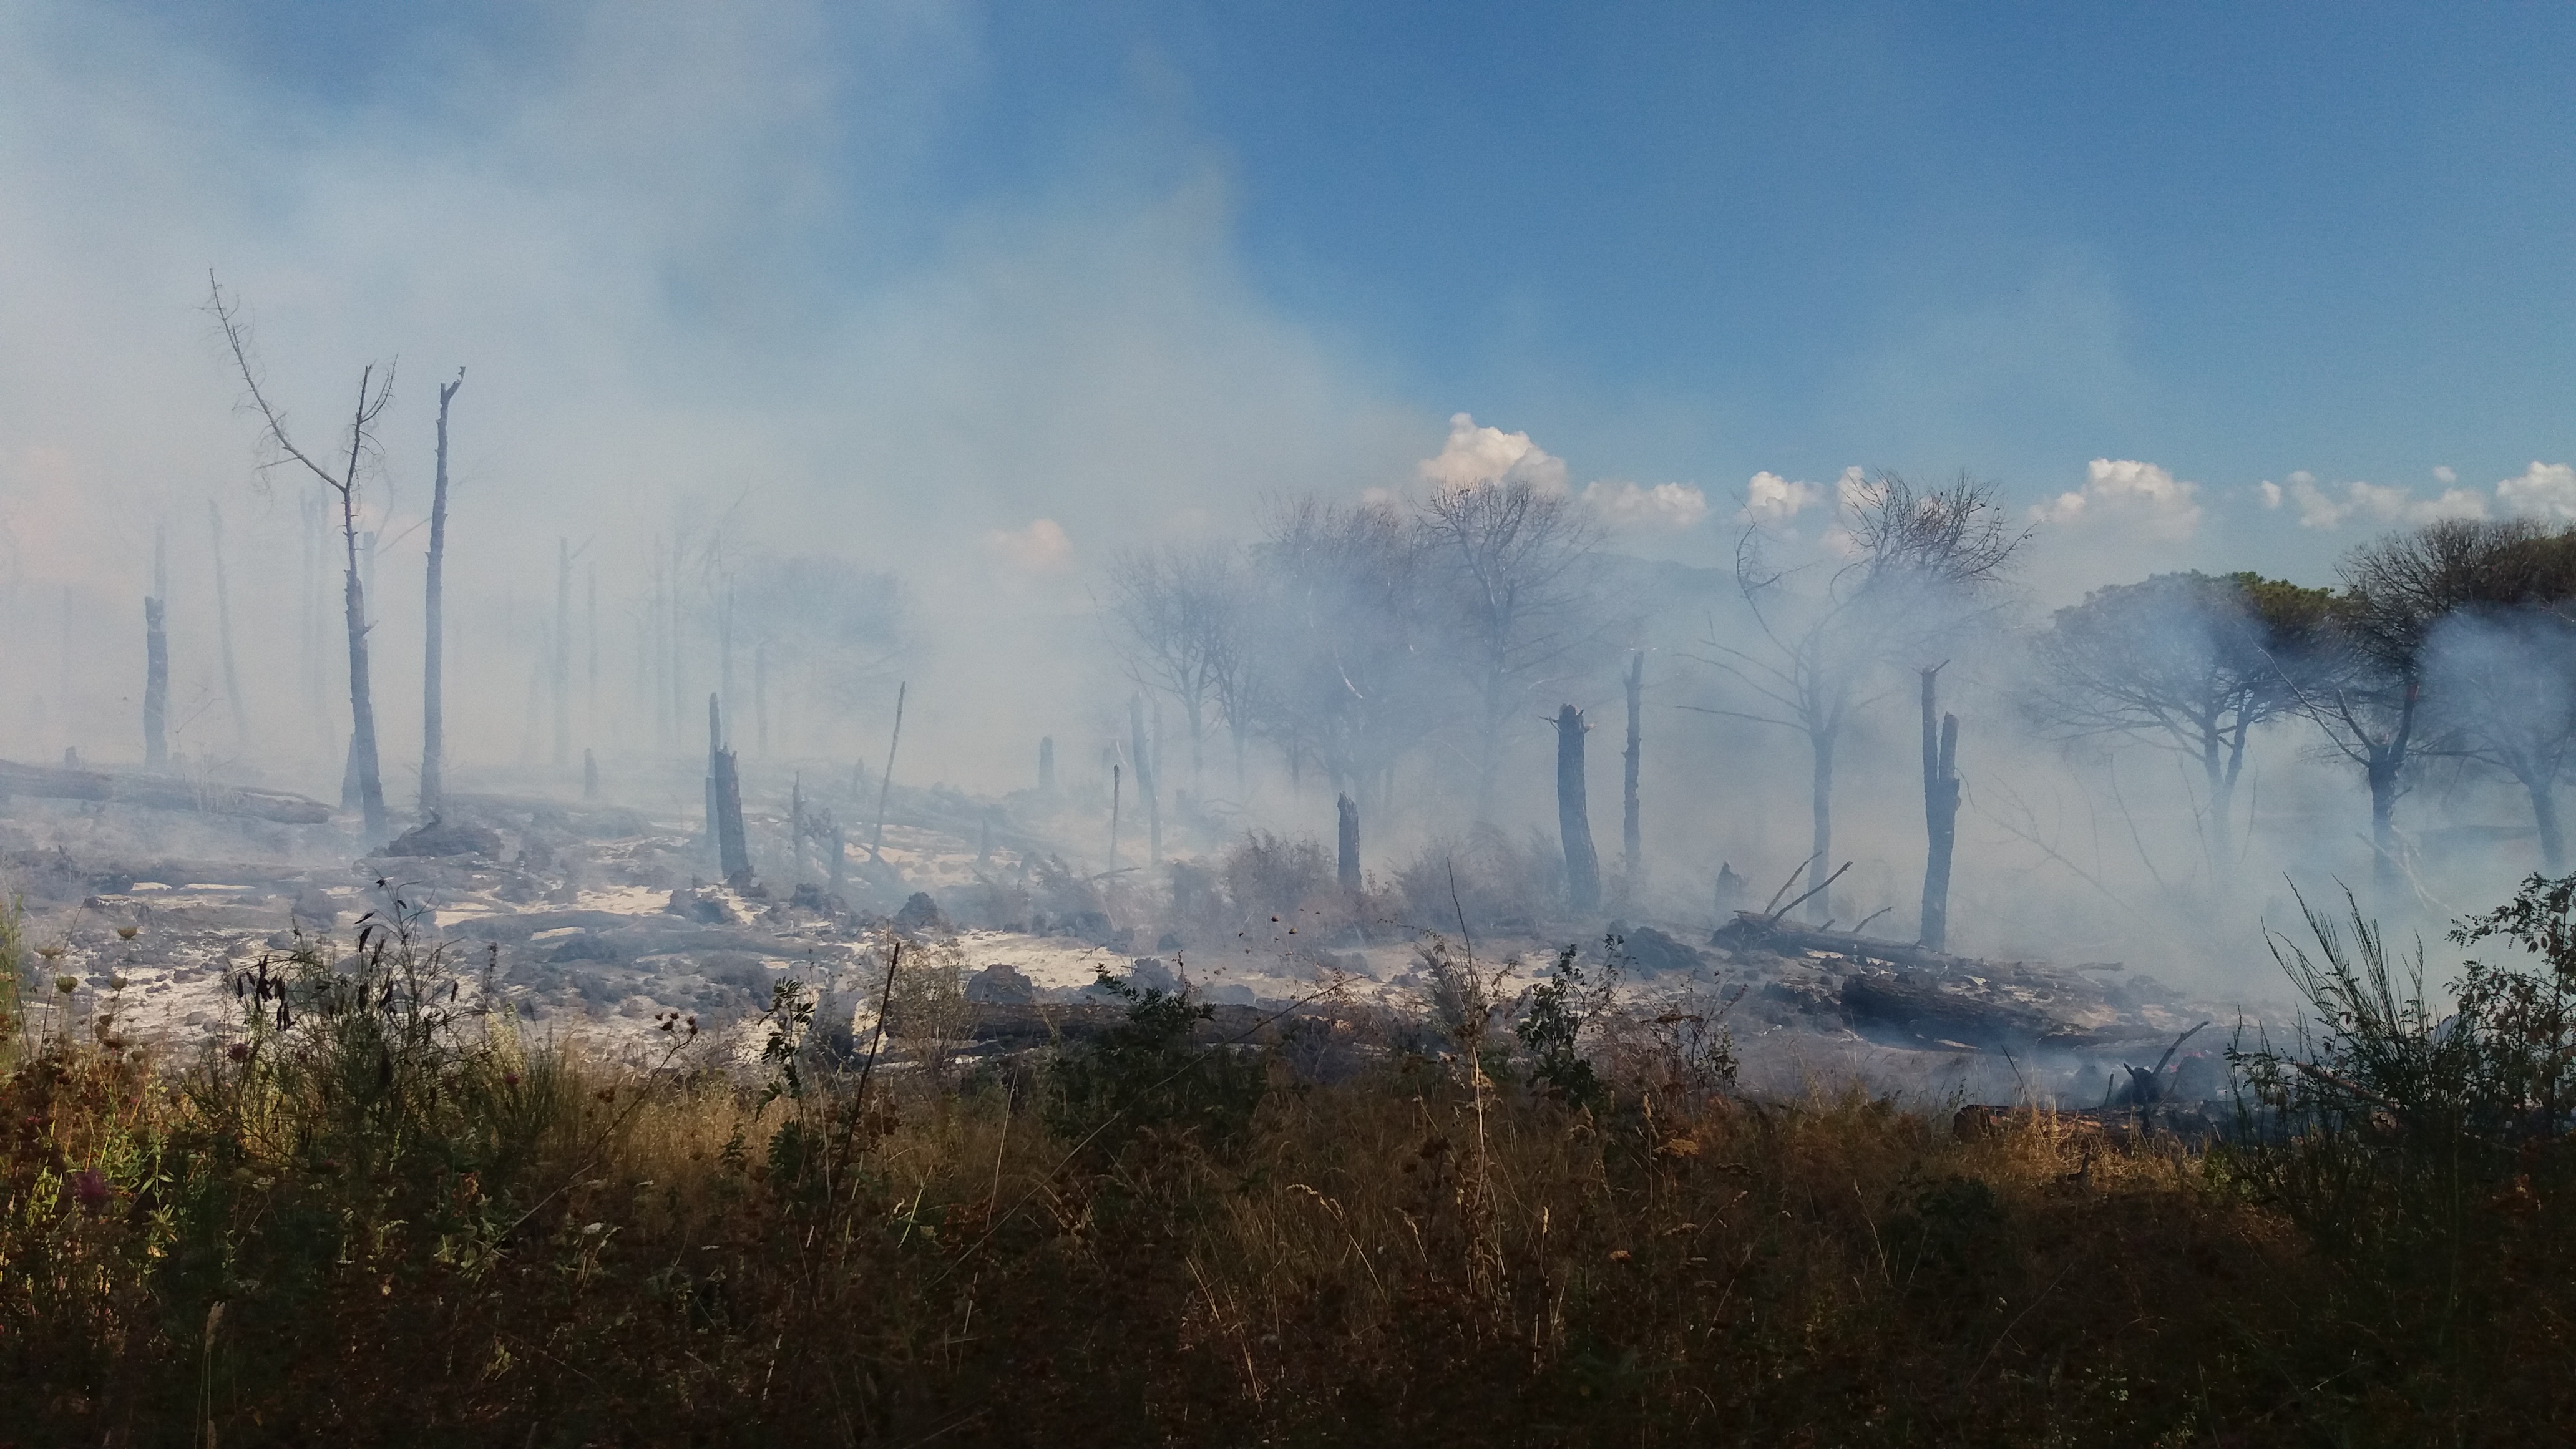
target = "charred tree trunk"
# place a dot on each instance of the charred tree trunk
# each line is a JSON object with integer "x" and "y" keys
{"x": 1631, "y": 853}
{"x": 1046, "y": 766}
{"x": 760, "y": 695}
{"x": 362, "y": 694}
{"x": 885, "y": 782}
{"x": 2384, "y": 765}
{"x": 1349, "y": 833}
{"x": 840, "y": 872}
{"x": 724, "y": 794}
{"x": 2544, "y": 816}
{"x": 1573, "y": 816}
{"x": 1820, "y": 748}
{"x": 156, "y": 687}
{"x": 1940, "y": 812}
{"x": 796, "y": 830}
{"x": 433, "y": 699}
{"x": 224, "y": 627}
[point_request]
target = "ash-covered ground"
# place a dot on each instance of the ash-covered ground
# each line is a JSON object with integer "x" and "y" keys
{"x": 597, "y": 922}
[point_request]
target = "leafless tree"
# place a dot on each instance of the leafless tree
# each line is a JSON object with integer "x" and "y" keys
{"x": 1345, "y": 678}
{"x": 1920, "y": 566}
{"x": 1181, "y": 620}
{"x": 1514, "y": 568}
{"x": 2192, "y": 662}
{"x": 2401, "y": 696}
{"x": 341, "y": 479}
{"x": 433, "y": 700}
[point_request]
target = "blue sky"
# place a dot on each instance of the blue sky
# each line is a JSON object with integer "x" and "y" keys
{"x": 1669, "y": 242}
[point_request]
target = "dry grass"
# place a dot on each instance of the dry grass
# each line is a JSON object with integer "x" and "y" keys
{"x": 579, "y": 1253}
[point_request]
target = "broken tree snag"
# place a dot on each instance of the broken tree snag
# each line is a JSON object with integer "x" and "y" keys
{"x": 1349, "y": 833}
{"x": 433, "y": 716}
{"x": 156, "y": 688}
{"x": 44, "y": 782}
{"x": 1046, "y": 766}
{"x": 1630, "y": 862}
{"x": 885, "y": 782}
{"x": 1940, "y": 811}
{"x": 724, "y": 796}
{"x": 1573, "y": 816}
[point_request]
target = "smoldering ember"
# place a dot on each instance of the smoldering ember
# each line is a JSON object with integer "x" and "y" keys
{"x": 893, "y": 725}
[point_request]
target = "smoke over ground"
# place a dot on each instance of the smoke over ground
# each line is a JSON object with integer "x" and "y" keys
{"x": 815, "y": 409}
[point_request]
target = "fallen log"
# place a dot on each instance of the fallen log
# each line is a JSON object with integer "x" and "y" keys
{"x": 160, "y": 792}
{"x": 1765, "y": 932}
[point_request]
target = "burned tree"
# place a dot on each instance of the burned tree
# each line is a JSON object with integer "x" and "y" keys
{"x": 341, "y": 481}
{"x": 2191, "y": 662}
{"x": 2421, "y": 622}
{"x": 1923, "y": 564}
{"x": 1513, "y": 567}
{"x": 1181, "y": 620}
{"x": 156, "y": 662}
{"x": 1347, "y": 678}
{"x": 1631, "y": 860}
{"x": 724, "y": 802}
{"x": 1573, "y": 815}
{"x": 433, "y": 669}
{"x": 1347, "y": 838}
{"x": 1940, "y": 812}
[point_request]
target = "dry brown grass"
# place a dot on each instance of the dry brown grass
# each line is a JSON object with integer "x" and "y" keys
{"x": 1405, "y": 1256}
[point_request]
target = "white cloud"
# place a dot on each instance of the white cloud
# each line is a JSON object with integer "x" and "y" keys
{"x": 2545, "y": 490}
{"x": 1039, "y": 548}
{"x": 1630, "y": 506}
{"x": 2372, "y": 502}
{"x": 1474, "y": 455}
{"x": 2445, "y": 475}
{"x": 2128, "y": 493}
{"x": 2271, "y": 492}
{"x": 1770, "y": 498}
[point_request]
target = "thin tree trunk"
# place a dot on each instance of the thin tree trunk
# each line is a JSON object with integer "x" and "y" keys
{"x": 885, "y": 783}
{"x": 2544, "y": 814}
{"x": 1632, "y": 864}
{"x": 1940, "y": 813}
{"x": 362, "y": 703}
{"x": 433, "y": 671}
{"x": 563, "y": 653}
{"x": 760, "y": 695}
{"x": 724, "y": 794}
{"x": 156, "y": 687}
{"x": 1349, "y": 841}
{"x": 1820, "y": 747}
{"x": 2383, "y": 829}
{"x": 224, "y": 627}
{"x": 1116, "y": 784}
{"x": 1573, "y": 816}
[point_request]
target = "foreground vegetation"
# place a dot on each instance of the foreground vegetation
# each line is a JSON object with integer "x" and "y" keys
{"x": 378, "y": 1215}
